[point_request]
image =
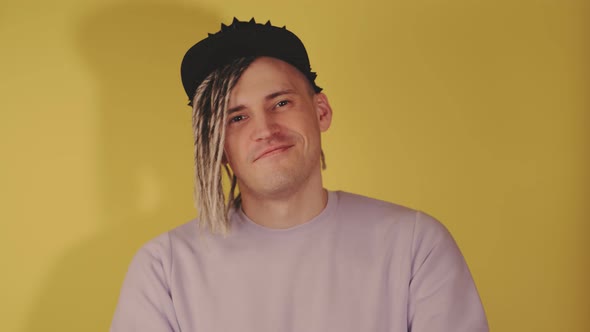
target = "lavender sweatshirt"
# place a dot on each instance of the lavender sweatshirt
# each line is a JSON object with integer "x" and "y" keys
{"x": 361, "y": 265}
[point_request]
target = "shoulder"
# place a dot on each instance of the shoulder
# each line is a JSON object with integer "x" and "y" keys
{"x": 157, "y": 254}
{"x": 364, "y": 204}
{"x": 371, "y": 211}
{"x": 155, "y": 251}
{"x": 146, "y": 289}
{"x": 368, "y": 208}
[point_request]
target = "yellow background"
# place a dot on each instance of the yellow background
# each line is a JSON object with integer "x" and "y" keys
{"x": 476, "y": 112}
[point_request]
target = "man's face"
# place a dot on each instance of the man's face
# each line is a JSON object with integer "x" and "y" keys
{"x": 272, "y": 140}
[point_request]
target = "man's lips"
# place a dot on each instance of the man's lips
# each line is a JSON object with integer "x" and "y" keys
{"x": 272, "y": 151}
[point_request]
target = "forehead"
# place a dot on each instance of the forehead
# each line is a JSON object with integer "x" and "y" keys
{"x": 266, "y": 75}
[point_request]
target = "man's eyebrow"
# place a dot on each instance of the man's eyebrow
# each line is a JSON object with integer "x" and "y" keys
{"x": 235, "y": 109}
{"x": 268, "y": 97}
{"x": 279, "y": 93}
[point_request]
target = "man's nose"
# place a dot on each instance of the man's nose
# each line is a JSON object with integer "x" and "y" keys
{"x": 265, "y": 127}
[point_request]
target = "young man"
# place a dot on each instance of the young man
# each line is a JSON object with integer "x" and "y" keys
{"x": 286, "y": 254}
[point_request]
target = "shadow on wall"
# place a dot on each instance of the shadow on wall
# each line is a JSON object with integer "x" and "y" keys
{"x": 145, "y": 151}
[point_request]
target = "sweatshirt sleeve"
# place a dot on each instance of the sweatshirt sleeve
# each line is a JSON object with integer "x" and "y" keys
{"x": 145, "y": 303}
{"x": 442, "y": 295}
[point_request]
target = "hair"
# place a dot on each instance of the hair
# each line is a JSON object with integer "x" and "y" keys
{"x": 209, "y": 118}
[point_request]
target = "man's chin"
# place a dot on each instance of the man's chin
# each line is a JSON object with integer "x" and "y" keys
{"x": 275, "y": 186}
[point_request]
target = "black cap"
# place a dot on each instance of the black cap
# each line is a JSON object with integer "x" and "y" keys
{"x": 242, "y": 39}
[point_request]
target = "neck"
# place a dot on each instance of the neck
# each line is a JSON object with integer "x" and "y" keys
{"x": 287, "y": 210}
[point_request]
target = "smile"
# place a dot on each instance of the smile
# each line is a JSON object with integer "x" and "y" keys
{"x": 273, "y": 151}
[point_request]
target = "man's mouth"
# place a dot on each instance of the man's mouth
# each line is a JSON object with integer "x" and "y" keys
{"x": 273, "y": 151}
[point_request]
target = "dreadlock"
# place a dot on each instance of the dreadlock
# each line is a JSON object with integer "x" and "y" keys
{"x": 209, "y": 118}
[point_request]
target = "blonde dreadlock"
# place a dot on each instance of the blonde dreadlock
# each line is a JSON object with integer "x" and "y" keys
{"x": 209, "y": 118}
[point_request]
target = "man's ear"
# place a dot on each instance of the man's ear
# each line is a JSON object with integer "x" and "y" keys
{"x": 324, "y": 111}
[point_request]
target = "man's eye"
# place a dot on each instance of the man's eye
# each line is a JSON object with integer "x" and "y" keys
{"x": 282, "y": 103}
{"x": 237, "y": 118}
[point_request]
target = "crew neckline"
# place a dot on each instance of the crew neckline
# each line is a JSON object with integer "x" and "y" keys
{"x": 246, "y": 222}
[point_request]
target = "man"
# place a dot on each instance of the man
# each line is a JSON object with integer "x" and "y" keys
{"x": 285, "y": 254}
